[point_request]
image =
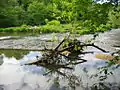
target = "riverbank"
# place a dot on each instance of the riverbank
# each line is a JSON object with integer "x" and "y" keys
{"x": 59, "y": 28}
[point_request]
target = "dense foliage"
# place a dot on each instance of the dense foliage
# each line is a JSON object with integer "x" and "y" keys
{"x": 85, "y": 15}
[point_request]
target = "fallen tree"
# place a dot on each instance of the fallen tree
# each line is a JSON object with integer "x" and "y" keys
{"x": 64, "y": 55}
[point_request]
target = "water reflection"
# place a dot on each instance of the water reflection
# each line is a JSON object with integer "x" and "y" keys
{"x": 18, "y": 54}
{"x": 14, "y": 75}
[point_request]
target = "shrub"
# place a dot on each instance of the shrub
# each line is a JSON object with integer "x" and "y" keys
{"x": 54, "y": 22}
{"x": 51, "y": 28}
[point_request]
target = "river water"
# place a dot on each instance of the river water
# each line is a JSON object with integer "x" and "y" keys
{"x": 14, "y": 75}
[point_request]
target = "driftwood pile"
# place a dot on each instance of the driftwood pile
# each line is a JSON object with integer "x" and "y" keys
{"x": 64, "y": 56}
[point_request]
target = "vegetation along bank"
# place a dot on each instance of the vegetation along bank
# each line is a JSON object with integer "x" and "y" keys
{"x": 44, "y": 16}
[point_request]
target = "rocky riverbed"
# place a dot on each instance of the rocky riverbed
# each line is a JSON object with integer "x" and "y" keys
{"x": 105, "y": 40}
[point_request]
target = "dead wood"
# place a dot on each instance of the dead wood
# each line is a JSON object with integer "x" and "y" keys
{"x": 52, "y": 60}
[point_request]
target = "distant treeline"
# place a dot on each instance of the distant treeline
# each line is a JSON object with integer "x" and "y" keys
{"x": 39, "y": 12}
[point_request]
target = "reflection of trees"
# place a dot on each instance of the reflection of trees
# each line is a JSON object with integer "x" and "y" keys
{"x": 18, "y": 54}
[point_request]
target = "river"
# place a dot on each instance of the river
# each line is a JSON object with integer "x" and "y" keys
{"x": 14, "y": 75}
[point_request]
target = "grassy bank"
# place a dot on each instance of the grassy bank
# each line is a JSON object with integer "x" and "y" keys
{"x": 59, "y": 28}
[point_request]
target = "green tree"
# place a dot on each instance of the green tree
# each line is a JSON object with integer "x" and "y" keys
{"x": 17, "y": 15}
{"x": 114, "y": 17}
{"x": 88, "y": 10}
{"x": 81, "y": 8}
{"x": 62, "y": 10}
{"x": 5, "y": 20}
{"x": 11, "y": 14}
{"x": 37, "y": 12}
